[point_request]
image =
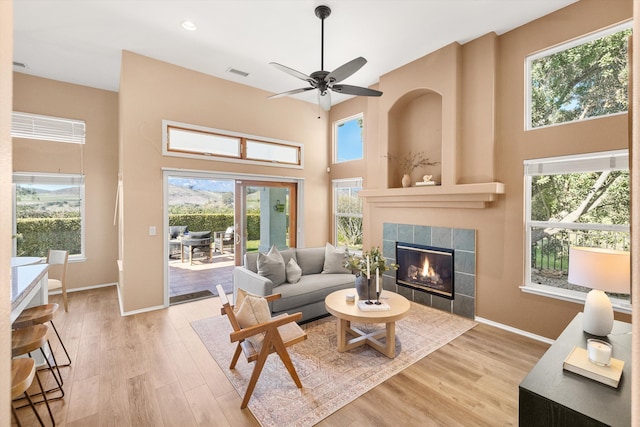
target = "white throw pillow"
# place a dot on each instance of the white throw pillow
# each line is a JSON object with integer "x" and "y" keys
{"x": 293, "y": 271}
{"x": 334, "y": 260}
{"x": 271, "y": 266}
{"x": 252, "y": 311}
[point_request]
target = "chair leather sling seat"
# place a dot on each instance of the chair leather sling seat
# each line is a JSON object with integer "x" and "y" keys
{"x": 23, "y": 371}
{"x": 38, "y": 315}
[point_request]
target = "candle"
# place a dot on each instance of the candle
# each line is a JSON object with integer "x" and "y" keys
{"x": 368, "y": 268}
{"x": 599, "y": 352}
{"x": 377, "y": 282}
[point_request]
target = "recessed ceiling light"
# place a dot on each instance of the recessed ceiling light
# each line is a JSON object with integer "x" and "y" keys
{"x": 189, "y": 26}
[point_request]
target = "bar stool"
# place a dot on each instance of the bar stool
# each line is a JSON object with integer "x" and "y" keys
{"x": 22, "y": 372}
{"x": 29, "y": 339}
{"x": 37, "y": 316}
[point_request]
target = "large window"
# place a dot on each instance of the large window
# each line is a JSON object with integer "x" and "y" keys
{"x": 347, "y": 134}
{"x": 580, "y": 200}
{"x": 348, "y": 213}
{"x": 49, "y": 214}
{"x": 582, "y": 79}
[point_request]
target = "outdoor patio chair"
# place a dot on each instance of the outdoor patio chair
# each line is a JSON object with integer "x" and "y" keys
{"x": 222, "y": 239}
{"x": 198, "y": 240}
{"x": 257, "y": 337}
{"x": 175, "y": 235}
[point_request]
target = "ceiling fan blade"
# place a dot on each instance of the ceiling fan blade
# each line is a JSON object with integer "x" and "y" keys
{"x": 344, "y": 71}
{"x": 324, "y": 100}
{"x": 291, "y": 92}
{"x": 355, "y": 90}
{"x": 292, "y": 72}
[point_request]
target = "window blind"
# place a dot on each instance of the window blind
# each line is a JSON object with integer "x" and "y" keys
{"x": 606, "y": 160}
{"x": 47, "y": 128}
{"x": 48, "y": 179}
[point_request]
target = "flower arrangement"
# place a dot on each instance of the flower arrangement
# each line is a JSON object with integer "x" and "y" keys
{"x": 372, "y": 259}
{"x": 411, "y": 161}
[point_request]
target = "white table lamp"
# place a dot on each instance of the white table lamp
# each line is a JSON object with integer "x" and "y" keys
{"x": 601, "y": 270}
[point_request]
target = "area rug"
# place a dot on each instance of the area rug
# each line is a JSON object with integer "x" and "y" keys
{"x": 330, "y": 379}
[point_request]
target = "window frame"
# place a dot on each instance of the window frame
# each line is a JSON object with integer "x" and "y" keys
{"x": 591, "y": 162}
{"x": 529, "y": 59}
{"x": 336, "y": 142}
{"x": 243, "y": 141}
{"x": 343, "y": 183}
{"x": 52, "y": 179}
{"x": 47, "y": 128}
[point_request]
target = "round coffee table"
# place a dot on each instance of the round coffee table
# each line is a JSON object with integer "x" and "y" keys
{"x": 348, "y": 312}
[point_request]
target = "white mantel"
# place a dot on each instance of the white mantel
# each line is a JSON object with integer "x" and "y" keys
{"x": 437, "y": 196}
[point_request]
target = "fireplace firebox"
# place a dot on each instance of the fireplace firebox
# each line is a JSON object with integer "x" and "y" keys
{"x": 425, "y": 268}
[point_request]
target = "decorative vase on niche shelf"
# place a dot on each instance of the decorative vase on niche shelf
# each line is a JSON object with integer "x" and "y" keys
{"x": 406, "y": 180}
{"x": 362, "y": 287}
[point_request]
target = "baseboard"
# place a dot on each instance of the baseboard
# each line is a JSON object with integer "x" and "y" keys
{"x": 129, "y": 313}
{"x": 86, "y": 288}
{"x": 514, "y": 330}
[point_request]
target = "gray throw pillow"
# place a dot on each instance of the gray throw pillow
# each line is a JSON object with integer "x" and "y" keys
{"x": 334, "y": 260}
{"x": 271, "y": 266}
{"x": 293, "y": 271}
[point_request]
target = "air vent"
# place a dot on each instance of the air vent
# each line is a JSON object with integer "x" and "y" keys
{"x": 19, "y": 64}
{"x": 238, "y": 72}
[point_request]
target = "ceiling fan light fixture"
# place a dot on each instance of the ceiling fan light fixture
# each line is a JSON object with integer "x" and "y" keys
{"x": 189, "y": 25}
{"x": 325, "y": 81}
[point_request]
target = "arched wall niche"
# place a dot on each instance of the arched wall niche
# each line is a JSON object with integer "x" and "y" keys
{"x": 415, "y": 125}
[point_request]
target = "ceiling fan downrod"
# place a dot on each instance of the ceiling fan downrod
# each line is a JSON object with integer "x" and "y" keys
{"x": 322, "y": 12}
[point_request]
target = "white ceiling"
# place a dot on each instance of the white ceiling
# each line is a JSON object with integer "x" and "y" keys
{"x": 80, "y": 41}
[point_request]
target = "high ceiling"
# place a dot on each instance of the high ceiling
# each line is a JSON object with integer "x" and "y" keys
{"x": 80, "y": 41}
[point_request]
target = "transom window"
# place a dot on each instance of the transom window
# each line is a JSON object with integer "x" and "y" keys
{"x": 195, "y": 141}
{"x": 582, "y": 79}
{"x": 580, "y": 200}
{"x": 347, "y": 135}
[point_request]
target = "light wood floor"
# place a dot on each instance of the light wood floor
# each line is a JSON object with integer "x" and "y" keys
{"x": 151, "y": 369}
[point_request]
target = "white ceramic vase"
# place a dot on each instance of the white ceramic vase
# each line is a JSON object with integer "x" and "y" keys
{"x": 406, "y": 180}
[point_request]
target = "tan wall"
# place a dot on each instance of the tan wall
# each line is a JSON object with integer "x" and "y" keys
{"x": 151, "y": 91}
{"x": 6, "y": 57}
{"x": 99, "y": 109}
{"x": 486, "y": 81}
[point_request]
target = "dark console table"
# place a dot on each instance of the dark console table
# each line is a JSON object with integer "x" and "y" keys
{"x": 550, "y": 396}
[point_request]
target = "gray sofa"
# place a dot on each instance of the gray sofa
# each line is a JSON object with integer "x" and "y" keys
{"x": 306, "y": 295}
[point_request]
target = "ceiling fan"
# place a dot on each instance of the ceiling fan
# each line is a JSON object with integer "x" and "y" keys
{"x": 325, "y": 81}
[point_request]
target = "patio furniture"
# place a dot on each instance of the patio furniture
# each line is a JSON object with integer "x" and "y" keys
{"x": 175, "y": 235}
{"x": 257, "y": 338}
{"x": 222, "y": 239}
{"x": 197, "y": 241}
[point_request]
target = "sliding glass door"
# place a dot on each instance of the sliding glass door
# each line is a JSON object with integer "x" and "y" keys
{"x": 265, "y": 215}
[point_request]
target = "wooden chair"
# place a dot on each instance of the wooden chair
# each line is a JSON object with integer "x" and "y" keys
{"x": 57, "y": 261}
{"x": 279, "y": 333}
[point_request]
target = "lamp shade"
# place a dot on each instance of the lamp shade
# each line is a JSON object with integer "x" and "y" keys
{"x": 603, "y": 269}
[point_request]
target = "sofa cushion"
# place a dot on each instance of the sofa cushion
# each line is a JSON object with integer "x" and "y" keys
{"x": 310, "y": 260}
{"x": 310, "y": 289}
{"x": 251, "y": 258}
{"x": 334, "y": 260}
{"x": 271, "y": 265}
{"x": 293, "y": 271}
{"x": 200, "y": 235}
{"x": 177, "y": 230}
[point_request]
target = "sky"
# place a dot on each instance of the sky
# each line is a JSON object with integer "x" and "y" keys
{"x": 350, "y": 137}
